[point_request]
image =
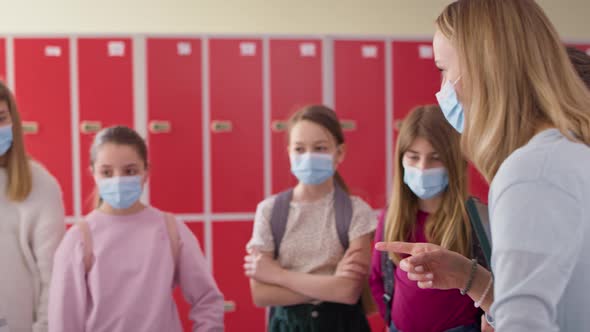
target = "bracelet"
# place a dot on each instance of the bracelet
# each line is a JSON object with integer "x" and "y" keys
{"x": 470, "y": 281}
{"x": 485, "y": 293}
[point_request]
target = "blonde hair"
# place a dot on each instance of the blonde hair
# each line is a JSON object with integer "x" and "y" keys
{"x": 449, "y": 226}
{"x": 516, "y": 78}
{"x": 18, "y": 168}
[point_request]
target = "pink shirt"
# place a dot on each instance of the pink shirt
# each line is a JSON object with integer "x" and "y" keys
{"x": 415, "y": 309}
{"x": 129, "y": 287}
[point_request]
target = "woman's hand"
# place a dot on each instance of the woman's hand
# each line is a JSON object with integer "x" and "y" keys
{"x": 430, "y": 265}
{"x": 352, "y": 265}
{"x": 262, "y": 267}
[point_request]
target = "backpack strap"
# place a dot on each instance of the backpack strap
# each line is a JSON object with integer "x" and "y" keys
{"x": 343, "y": 213}
{"x": 279, "y": 217}
{"x": 171, "y": 227}
{"x": 387, "y": 268}
{"x": 174, "y": 236}
{"x": 479, "y": 218}
{"x": 278, "y": 224}
{"x": 88, "y": 258}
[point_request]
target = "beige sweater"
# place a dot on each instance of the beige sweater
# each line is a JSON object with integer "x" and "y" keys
{"x": 30, "y": 232}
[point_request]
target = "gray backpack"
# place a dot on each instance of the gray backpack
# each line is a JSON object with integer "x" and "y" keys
{"x": 343, "y": 214}
{"x": 280, "y": 214}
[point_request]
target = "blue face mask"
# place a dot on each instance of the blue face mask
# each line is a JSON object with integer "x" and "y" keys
{"x": 312, "y": 168}
{"x": 5, "y": 139}
{"x": 120, "y": 192}
{"x": 426, "y": 183}
{"x": 450, "y": 105}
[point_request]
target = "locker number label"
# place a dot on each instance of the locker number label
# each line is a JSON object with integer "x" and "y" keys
{"x": 307, "y": 49}
{"x": 369, "y": 51}
{"x": 116, "y": 48}
{"x": 348, "y": 125}
{"x": 52, "y": 51}
{"x": 425, "y": 52}
{"x": 247, "y": 49}
{"x": 184, "y": 48}
{"x": 279, "y": 126}
{"x": 30, "y": 127}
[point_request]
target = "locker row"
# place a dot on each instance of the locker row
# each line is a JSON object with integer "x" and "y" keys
{"x": 213, "y": 111}
{"x": 202, "y": 102}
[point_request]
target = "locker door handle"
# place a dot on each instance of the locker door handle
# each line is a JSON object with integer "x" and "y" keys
{"x": 160, "y": 127}
{"x": 229, "y": 306}
{"x": 279, "y": 126}
{"x": 348, "y": 125}
{"x": 221, "y": 126}
{"x": 90, "y": 127}
{"x": 397, "y": 125}
{"x": 30, "y": 127}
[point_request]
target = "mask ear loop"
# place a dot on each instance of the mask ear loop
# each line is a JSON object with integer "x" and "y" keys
{"x": 457, "y": 80}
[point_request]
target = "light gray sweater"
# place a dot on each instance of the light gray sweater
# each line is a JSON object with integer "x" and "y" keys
{"x": 540, "y": 221}
{"x": 30, "y": 232}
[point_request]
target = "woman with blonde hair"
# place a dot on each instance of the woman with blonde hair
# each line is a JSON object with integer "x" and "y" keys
{"x": 525, "y": 116}
{"x": 31, "y": 227}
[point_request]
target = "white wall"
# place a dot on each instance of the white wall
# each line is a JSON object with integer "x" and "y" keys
{"x": 355, "y": 17}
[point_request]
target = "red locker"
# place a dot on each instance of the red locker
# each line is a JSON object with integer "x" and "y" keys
{"x": 229, "y": 247}
{"x": 295, "y": 81}
{"x": 236, "y": 124}
{"x": 478, "y": 186}
{"x": 106, "y": 96}
{"x": 583, "y": 47}
{"x": 42, "y": 88}
{"x": 174, "y": 113}
{"x": 359, "y": 92}
{"x": 183, "y": 307}
{"x": 416, "y": 79}
{"x": 2, "y": 60}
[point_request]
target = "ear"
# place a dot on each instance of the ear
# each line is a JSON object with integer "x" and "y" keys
{"x": 146, "y": 175}
{"x": 340, "y": 153}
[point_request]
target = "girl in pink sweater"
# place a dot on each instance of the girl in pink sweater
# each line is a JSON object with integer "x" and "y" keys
{"x": 115, "y": 271}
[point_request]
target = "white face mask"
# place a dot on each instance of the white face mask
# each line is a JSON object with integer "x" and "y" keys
{"x": 450, "y": 105}
{"x": 426, "y": 183}
{"x": 120, "y": 192}
{"x": 6, "y": 138}
{"x": 312, "y": 168}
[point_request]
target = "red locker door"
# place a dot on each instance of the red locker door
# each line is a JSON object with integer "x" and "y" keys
{"x": 359, "y": 92}
{"x": 295, "y": 81}
{"x": 583, "y": 47}
{"x": 416, "y": 80}
{"x": 174, "y": 113}
{"x": 106, "y": 96}
{"x": 42, "y": 87}
{"x": 2, "y": 59}
{"x": 197, "y": 228}
{"x": 236, "y": 124}
{"x": 229, "y": 247}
